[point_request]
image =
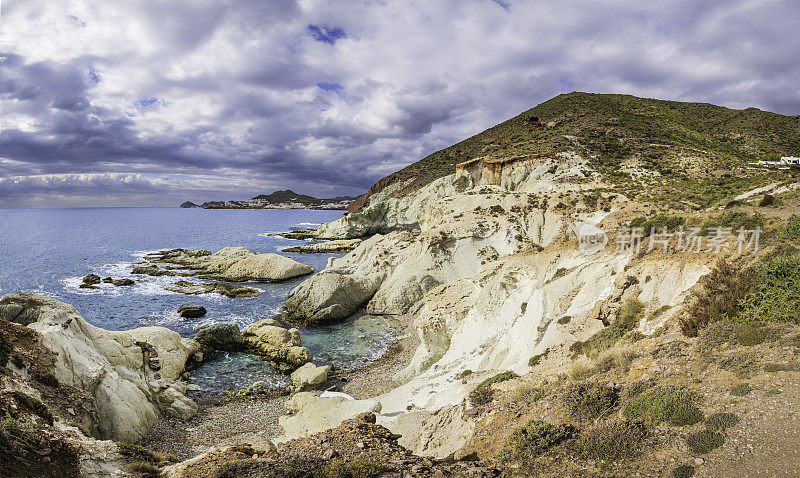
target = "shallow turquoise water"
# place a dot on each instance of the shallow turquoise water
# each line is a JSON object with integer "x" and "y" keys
{"x": 48, "y": 251}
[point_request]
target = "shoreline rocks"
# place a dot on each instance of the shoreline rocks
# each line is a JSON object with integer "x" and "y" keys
{"x": 309, "y": 376}
{"x": 281, "y": 346}
{"x": 233, "y": 264}
{"x": 132, "y": 375}
{"x": 327, "y": 247}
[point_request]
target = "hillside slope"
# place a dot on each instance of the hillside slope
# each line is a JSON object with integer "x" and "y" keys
{"x": 612, "y": 130}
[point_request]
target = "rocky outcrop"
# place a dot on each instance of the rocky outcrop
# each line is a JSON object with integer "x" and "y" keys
{"x": 133, "y": 375}
{"x": 235, "y": 264}
{"x": 391, "y": 273}
{"x": 280, "y": 345}
{"x": 328, "y": 247}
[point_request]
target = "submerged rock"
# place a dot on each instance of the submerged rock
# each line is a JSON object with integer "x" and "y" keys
{"x": 228, "y": 290}
{"x": 122, "y": 282}
{"x": 91, "y": 279}
{"x": 191, "y": 311}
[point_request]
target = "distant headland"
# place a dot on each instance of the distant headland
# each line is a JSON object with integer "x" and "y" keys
{"x": 287, "y": 199}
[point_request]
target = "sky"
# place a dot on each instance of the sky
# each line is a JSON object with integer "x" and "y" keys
{"x": 156, "y": 102}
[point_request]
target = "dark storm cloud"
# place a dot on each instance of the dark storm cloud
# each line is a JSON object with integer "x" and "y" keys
{"x": 147, "y": 102}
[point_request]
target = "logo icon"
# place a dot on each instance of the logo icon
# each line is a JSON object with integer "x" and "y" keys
{"x": 591, "y": 239}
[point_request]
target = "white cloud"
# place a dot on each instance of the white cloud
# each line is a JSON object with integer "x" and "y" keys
{"x": 233, "y": 85}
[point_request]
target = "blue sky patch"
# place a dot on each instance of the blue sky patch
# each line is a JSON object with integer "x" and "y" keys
{"x": 143, "y": 103}
{"x": 334, "y": 87}
{"x": 326, "y": 34}
{"x": 94, "y": 76}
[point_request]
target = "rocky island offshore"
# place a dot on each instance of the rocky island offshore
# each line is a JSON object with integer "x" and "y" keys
{"x": 524, "y": 350}
{"x": 287, "y": 199}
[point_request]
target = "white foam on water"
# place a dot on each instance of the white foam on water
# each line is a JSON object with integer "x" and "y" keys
{"x": 310, "y": 224}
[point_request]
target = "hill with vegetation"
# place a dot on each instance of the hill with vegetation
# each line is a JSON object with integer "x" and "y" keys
{"x": 683, "y": 141}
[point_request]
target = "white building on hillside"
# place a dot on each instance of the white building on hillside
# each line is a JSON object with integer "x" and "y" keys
{"x": 785, "y": 162}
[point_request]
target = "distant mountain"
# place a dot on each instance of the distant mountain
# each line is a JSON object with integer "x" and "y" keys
{"x": 611, "y": 130}
{"x": 288, "y": 196}
{"x": 287, "y": 199}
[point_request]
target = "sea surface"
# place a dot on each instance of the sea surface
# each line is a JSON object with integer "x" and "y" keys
{"x": 48, "y": 251}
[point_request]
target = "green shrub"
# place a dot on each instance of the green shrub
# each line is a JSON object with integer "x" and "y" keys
{"x": 483, "y": 393}
{"x": 774, "y": 297}
{"x": 683, "y": 471}
{"x": 481, "y": 396}
{"x": 721, "y": 292}
{"x": 534, "y": 439}
{"x": 589, "y": 400}
{"x": 348, "y": 469}
{"x": 740, "y": 390}
{"x": 704, "y": 441}
{"x": 658, "y": 222}
{"x": 735, "y": 220}
{"x": 773, "y": 391}
{"x": 782, "y": 367}
{"x": 136, "y": 453}
{"x": 792, "y": 229}
{"x": 610, "y": 441}
{"x": 664, "y": 403}
{"x": 627, "y": 320}
{"x": 721, "y": 421}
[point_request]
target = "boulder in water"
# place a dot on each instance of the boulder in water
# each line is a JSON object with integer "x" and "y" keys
{"x": 224, "y": 336}
{"x": 91, "y": 279}
{"x": 122, "y": 282}
{"x": 191, "y": 311}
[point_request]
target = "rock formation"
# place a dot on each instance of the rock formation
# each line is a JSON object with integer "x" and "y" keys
{"x": 133, "y": 375}
{"x": 235, "y": 264}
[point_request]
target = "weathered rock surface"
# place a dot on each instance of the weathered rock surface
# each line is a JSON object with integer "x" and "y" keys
{"x": 328, "y": 247}
{"x": 235, "y": 264}
{"x": 132, "y": 375}
{"x": 330, "y": 297}
{"x": 222, "y": 336}
{"x": 280, "y": 345}
{"x": 191, "y": 311}
{"x": 228, "y": 290}
{"x": 309, "y": 376}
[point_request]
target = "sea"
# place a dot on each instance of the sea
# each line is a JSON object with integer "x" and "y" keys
{"x": 49, "y": 251}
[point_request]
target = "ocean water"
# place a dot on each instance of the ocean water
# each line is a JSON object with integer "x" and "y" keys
{"x": 48, "y": 251}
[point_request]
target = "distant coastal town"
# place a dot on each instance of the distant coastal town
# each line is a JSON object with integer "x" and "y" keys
{"x": 287, "y": 199}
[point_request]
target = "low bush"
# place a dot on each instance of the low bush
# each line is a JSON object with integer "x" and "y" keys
{"x": 534, "y": 439}
{"x": 627, "y": 319}
{"x": 721, "y": 421}
{"x": 589, "y": 400}
{"x": 611, "y": 441}
{"x": 483, "y": 393}
{"x": 348, "y": 469}
{"x": 774, "y": 297}
{"x": 657, "y": 222}
{"x": 683, "y": 471}
{"x": 704, "y": 441}
{"x": 664, "y": 403}
{"x": 718, "y": 298}
{"x": 741, "y": 390}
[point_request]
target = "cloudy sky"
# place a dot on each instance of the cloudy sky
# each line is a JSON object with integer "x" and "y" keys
{"x": 154, "y": 102}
